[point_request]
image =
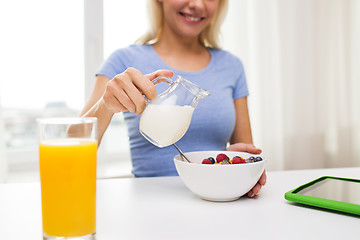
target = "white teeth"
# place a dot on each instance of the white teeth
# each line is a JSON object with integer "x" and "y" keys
{"x": 194, "y": 19}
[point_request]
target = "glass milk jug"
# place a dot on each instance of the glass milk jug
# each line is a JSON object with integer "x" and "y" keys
{"x": 167, "y": 117}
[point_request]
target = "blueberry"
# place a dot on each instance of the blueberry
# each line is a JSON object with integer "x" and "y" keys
{"x": 258, "y": 159}
{"x": 251, "y": 158}
{"x": 249, "y": 161}
{"x": 225, "y": 162}
{"x": 212, "y": 160}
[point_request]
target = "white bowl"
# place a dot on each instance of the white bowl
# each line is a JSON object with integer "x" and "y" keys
{"x": 218, "y": 182}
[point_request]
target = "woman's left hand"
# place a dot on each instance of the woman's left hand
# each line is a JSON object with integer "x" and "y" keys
{"x": 250, "y": 148}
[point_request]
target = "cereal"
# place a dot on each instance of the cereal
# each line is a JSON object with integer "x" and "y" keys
{"x": 224, "y": 159}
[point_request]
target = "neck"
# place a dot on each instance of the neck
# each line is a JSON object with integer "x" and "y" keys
{"x": 172, "y": 43}
{"x": 182, "y": 53}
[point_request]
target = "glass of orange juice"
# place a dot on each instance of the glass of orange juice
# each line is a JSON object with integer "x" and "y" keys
{"x": 67, "y": 156}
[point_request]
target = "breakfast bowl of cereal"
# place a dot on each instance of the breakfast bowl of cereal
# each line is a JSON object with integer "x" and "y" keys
{"x": 220, "y": 175}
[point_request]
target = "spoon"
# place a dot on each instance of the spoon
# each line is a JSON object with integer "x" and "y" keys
{"x": 181, "y": 153}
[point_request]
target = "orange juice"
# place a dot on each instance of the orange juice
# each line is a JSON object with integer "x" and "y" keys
{"x": 68, "y": 186}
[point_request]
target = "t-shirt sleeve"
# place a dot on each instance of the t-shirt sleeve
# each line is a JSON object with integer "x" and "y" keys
{"x": 113, "y": 65}
{"x": 241, "y": 88}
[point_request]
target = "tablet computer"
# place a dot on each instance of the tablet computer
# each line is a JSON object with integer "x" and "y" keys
{"x": 334, "y": 193}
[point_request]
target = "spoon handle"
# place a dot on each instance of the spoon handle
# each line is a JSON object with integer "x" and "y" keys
{"x": 181, "y": 153}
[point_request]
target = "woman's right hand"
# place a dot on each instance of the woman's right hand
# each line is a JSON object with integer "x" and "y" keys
{"x": 126, "y": 91}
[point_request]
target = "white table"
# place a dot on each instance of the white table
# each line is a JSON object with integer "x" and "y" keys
{"x": 163, "y": 208}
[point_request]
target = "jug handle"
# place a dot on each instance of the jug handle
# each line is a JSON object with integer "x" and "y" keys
{"x": 158, "y": 80}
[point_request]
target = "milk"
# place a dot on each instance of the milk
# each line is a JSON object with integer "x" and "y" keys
{"x": 164, "y": 125}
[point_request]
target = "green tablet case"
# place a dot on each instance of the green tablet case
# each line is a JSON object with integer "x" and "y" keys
{"x": 322, "y": 202}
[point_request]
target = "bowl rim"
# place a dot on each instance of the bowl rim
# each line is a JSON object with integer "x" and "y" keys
{"x": 178, "y": 159}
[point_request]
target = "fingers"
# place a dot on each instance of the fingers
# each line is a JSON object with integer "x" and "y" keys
{"x": 122, "y": 93}
{"x": 252, "y": 149}
{"x": 244, "y": 147}
{"x": 158, "y": 73}
{"x": 112, "y": 103}
{"x": 125, "y": 92}
{"x": 256, "y": 189}
{"x": 262, "y": 179}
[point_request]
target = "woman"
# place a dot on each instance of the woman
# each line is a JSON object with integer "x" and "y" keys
{"x": 184, "y": 41}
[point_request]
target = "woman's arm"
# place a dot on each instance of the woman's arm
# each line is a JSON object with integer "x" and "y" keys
{"x": 242, "y": 131}
{"x": 241, "y": 139}
{"x": 94, "y": 107}
{"x": 124, "y": 93}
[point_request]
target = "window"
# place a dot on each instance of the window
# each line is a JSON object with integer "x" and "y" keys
{"x": 42, "y": 52}
{"x": 124, "y": 22}
{"x": 43, "y": 74}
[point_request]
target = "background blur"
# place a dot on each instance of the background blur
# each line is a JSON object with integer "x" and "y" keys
{"x": 301, "y": 59}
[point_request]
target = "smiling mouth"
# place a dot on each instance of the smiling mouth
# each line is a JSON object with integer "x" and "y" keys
{"x": 192, "y": 18}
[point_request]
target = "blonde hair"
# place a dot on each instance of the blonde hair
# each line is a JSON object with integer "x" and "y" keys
{"x": 208, "y": 38}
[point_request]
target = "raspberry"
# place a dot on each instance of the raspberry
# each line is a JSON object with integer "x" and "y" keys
{"x": 206, "y": 161}
{"x": 238, "y": 160}
{"x": 221, "y": 157}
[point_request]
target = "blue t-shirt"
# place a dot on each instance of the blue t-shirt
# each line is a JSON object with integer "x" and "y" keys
{"x": 213, "y": 119}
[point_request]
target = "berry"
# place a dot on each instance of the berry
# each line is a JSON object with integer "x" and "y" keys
{"x": 221, "y": 157}
{"x": 212, "y": 160}
{"x": 207, "y": 161}
{"x": 238, "y": 160}
{"x": 225, "y": 162}
{"x": 224, "y": 159}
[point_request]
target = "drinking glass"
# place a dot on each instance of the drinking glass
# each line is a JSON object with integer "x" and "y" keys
{"x": 67, "y": 156}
